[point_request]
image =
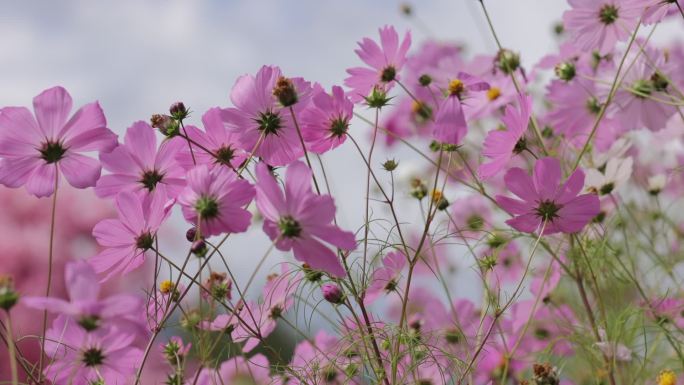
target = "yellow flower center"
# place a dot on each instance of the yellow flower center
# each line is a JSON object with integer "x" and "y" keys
{"x": 493, "y": 93}
{"x": 456, "y": 87}
{"x": 166, "y": 286}
{"x": 436, "y": 195}
{"x": 667, "y": 377}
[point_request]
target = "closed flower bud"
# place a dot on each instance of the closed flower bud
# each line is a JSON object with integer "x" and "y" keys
{"x": 418, "y": 189}
{"x": 178, "y": 111}
{"x": 507, "y": 61}
{"x": 191, "y": 234}
{"x": 199, "y": 248}
{"x": 165, "y": 124}
{"x": 332, "y": 293}
{"x": 545, "y": 374}
{"x": 8, "y": 297}
{"x": 378, "y": 98}
{"x": 425, "y": 80}
{"x": 566, "y": 71}
{"x": 310, "y": 274}
{"x": 390, "y": 165}
{"x": 285, "y": 92}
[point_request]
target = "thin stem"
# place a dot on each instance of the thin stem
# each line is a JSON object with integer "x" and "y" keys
{"x": 306, "y": 154}
{"x": 192, "y": 153}
{"x": 12, "y": 350}
{"x": 49, "y": 278}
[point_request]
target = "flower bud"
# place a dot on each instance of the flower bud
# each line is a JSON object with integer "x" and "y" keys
{"x": 377, "y": 98}
{"x": 8, "y": 297}
{"x": 418, "y": 189}
{"x": 199, "y": 248}
{"x": 332, "y": 293}
{"x": 507, "y": 61}
{"x": 285, "y": 92}
{"x": 425, "y": 80}
{"x": 191, "y": 234}
{"x": 565, "y": 71}
{"x": 545, "y": 374}
{"x": 406, "y": 9}
{"x": 390, "y": 165}
{"x": 165, "y": 124}
{"x": 178, "y": 111}
{"x": 310, "y": 274}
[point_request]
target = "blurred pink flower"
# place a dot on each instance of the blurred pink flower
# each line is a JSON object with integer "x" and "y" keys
{"x": 500, "y": 145}
{"x": 385, "y": 279}
{"x": 450, "y": 123}
{"x": 34, "y": 150}
{"x": 238, "y": 370}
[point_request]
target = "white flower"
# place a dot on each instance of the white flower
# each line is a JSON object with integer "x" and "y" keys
{"x": 656, "y": 183}
{"x": 613, "y": 350}
{"x": 617, "y": 172}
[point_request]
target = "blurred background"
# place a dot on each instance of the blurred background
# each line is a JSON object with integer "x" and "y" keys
{"x": 137, "y": 57}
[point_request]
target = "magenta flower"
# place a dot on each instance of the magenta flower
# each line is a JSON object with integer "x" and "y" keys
{"x": 238, "y": 370}
{"x": 600, "y": 24}
{"x": 545, "y": 202}
{"x": 258, "y": 319}
{"x": 263, "y": 125}
{"x": 450, "y": 123}
{"x": 34, "y": 150}
{"x": 326, "y": 121}
{"x": 137, "y": 165}
{"x": 385, "y": 62}
{"x": 500, "y": 145}
{"x": 127, "y": 239}
{"x": 386, "y": 278}
{"x": 576, "y": 105}
{"x": 85, "y": 308}
{"x": 218, "y": 197}
{"x": 299, "y": 220}
{"x": 224, "y": 144}
{"x": 82, "y": 358}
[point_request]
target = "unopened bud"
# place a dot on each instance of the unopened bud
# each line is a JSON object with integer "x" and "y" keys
{"x": 285, "y": 92}
{"x": 178, "y": 111}
{"x": 8, "y": 297}
{"x": 507, "y": 61}
{"x": 332, "y": 293}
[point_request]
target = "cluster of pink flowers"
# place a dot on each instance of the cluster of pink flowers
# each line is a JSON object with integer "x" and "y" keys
{"x": 578, "y": 276}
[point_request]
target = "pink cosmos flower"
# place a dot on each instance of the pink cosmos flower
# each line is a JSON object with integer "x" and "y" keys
{"x": 91, "y": 313}
{"x": 137, "y": 164}
{"x": 576, "y": 105}
{"x": 385, "y": 61}
{"x": 600, "y": 24}
{"x": 82, "y": 358}
{"x": 300, "y": 220}
{"x": 545, "y": 202}
{"x": 386, "y": 278}
{"x": 319, "y": 361}
{"x": 34, "y": 150}
{"x": 217, "y": 197}
{"x": 326, "y": 121}
{"x": 450, "y": 123}
{"x": 637, "y": 104}
{"x": 224, "y": 144}
{"x": 657, "y": 10}
{"x": 499, "y": 146}
{"x": 258, "y": 320}
{"x": 549, "y": 327}
{"x": 238, "y": 370}
{"x": 470, "y": 217}
{"x": 127, "y": 239}
{"x": 262, "y": 124}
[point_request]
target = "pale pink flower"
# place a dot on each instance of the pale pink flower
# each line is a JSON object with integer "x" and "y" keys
{"x": 385, "y": 279}
{"x": 223, "y": 143}
{"x": 299, "y": 220}
{"x": 81, "y": 358}
{"x": 450, "y": 122}
{"x": 262, "y": 124}
{"x": 238, "y": 370}
{"x": 500, "y": 145}
{"x": 385, "y": 61}
{"x": 129, "y": 238}
{"x": 138, "y": 165}
{"x": 600, "y": 24}
{"x": 326, "y": 121}
{"x": 34, "y": 150}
